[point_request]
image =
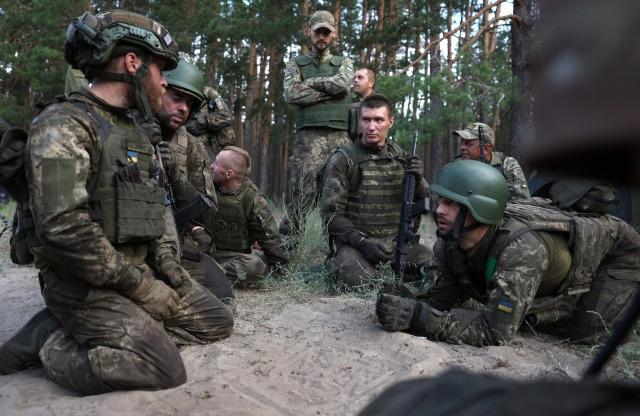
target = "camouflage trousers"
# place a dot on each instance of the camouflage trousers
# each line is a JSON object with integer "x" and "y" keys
{"x": 109, "y": 343}
{"x": 352, "y": 269}
{"x": 313, "y": 145}
{"x": 242, "y": 270}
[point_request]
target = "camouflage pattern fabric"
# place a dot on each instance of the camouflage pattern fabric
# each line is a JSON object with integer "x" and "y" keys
{"x": 312, "y": 145}
{"x": 512, "y": 172}
{"x": 349, "y": 264}
{"x": 520, "y": 269}
{"x": 213, "y": 125}
{"x": 114, "y": 343}
{"x": 245, "y": 269}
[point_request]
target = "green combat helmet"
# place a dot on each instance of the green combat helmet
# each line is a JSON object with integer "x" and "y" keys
{"x": 480, "y": 188}
{"x": 187, "y": 78}
{"x": 93, "y": 40}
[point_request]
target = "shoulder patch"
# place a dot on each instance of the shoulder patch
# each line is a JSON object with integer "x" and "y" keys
{"x": 505, "y": 306}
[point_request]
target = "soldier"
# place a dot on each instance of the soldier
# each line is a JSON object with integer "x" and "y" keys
{"x": 362, "y": 198}
{"x": 185, "y": 159}
{"x": 472, "y": 149}
{"x": 243, "y": 219}
{"x": 118, "y": 302}
{"x": 363, "y": 82}
{"x": 519, "y": 263}
{"x": 317, "y": 84}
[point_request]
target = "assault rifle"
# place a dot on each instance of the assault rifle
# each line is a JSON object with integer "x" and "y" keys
{"x": 481, "y": 143}
{"x": 410, "y": 210}
{"x": 160, "y": 175}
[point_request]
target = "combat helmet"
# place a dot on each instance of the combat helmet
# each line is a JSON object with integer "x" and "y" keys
{"x": 92, "y": 40}
{"x": 480, "y": 188}
{"x": 187, "y": 78}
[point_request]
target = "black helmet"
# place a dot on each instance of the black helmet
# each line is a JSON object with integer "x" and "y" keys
{"x": 93, "y": 40}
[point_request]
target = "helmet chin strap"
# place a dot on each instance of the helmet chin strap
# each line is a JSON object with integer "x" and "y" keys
{"x": 142, "y": 101}
{"x": 458, "y": 227}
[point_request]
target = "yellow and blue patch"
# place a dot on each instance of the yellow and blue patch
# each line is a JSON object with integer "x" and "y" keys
{"x": 505, "y": 306}
{"x": 132, "y": 156}
{"x": 287, "y": 76}
{"x": 350, "y": 68}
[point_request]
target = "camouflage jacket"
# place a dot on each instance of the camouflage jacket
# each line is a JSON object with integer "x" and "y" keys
{"x": 260, "y": 223}
{"x": 63, "y": 138}
{"x": 314, "y": 90}
{"x": 335, "y": 195}
{"x": 513, "y": 173}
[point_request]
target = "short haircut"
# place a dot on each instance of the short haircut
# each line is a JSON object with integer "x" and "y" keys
{"x": 370, "y": 74}
{"x": 377, "y": 101}
{"x": 240, "y": 161}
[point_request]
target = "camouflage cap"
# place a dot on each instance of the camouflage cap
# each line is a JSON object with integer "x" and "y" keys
{"x": 471, "y": 133}
{"x": 322, "y": 18}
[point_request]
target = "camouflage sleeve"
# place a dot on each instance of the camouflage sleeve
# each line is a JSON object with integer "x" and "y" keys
{"x": 220, "y": 115}
{"x": 338, "y": 85}
{"x": 295, "y": 92}
{"x": 200, "y": 178}
{"x": 335, "y": 193}
{"x": 263, "y": 226}
{"x": 515, "y": 281}
{"x": 62, "y": 145}
{"x": 516, "y": 180}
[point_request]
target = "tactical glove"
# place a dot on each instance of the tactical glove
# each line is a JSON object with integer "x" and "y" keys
{"x": 177, "y": 277}
{"x": 396, "y": 313}
{"x": 415, "y": 166}
{"x": 168, "y": 160}
{"x": 198, "y": 124}
{"x": 375, "y": 252}
{"x": 396, "y": 288}
{"x": 201, "y": 238}
{"x": 156, "y": 298}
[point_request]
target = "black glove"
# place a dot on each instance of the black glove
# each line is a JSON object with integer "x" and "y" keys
{"x": 395, "y": 288}
{"x": 415, "y": 165}
{"x": 396, "y": 313}
{"x": 375, "y": 252}
{"x": 177, "y": 277}
{"x": 197, "y": 125}
{"x": 201, "y": 238}
{"x": 168, "y": 160}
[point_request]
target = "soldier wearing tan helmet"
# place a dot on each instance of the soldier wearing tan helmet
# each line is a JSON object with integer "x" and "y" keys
{"x": 118, "y": 302}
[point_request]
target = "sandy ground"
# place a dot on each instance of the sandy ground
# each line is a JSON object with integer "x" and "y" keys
{"x": 304, "y": 355}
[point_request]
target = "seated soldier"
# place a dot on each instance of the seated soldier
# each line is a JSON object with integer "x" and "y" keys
{"x": 243, "y": 219}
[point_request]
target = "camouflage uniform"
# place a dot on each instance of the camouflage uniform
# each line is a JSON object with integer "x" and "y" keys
{"x": 348, "y": 263}
{"x": 530, "y": 267}
{"x": 234, "y": 253}
{"x": 194, "y": 180}
{"x": 212, "y": 124}
{"x": 108, "y": 342}
{"x": 313, "y": 145}
{"x": 513, "y": 173}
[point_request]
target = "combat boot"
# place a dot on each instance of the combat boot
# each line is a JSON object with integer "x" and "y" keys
{"x": 22, "y": 351}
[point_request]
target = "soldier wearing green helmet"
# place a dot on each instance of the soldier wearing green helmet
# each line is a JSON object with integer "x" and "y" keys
{"x": 185, "y": 160}
{"x": 529, "y": 263}
{"x": 118, "y": 302}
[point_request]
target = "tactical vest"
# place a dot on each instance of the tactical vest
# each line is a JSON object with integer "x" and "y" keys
{"x": 178, "y": 144}
{"x": 588, "y": 236}
{"x": 332, "y": 113}
{"x": 125, "y": 199}
{"x": 230, "y": 222}
{"x": 374, "y": 204}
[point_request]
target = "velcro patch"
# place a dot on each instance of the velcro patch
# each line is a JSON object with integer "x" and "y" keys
{"x": 505, "y": 306}
{"x": 349, "y": 68}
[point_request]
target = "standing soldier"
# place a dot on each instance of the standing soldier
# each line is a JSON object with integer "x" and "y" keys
{"x": 118, "y": 302}
{"x": 317, "y": 84}
{"x": 363, "y": 82}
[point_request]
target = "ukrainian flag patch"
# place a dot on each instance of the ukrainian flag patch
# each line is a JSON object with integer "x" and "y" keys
{"x": 349, "y": 68}
{"x": 505, "y": 306}
{"x": 287, "y": 76}
{"x": 132, "y": 156}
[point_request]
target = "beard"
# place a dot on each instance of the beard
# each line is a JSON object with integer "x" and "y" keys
{"x": 154, "y": 92}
